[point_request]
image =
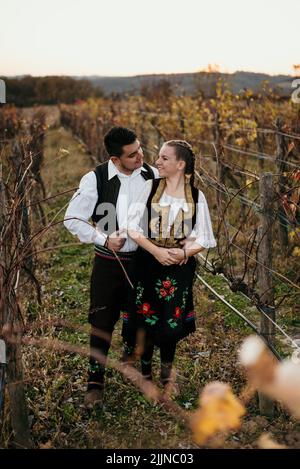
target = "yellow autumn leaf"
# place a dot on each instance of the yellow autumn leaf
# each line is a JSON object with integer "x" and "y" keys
{"x": 292, "y": 235}
{"x": 220, "y": 411}
{"x": 296, "y": 251}
{"x": 239, "y": 141}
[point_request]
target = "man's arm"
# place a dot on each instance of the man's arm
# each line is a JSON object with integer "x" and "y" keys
{"x": 80, "y": 210}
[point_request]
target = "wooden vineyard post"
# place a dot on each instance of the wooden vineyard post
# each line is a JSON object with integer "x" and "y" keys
{"x": 8, "y": 318}
{"x": 261, "y": 149}
{"x": 265, "y": 282}
{"x": 281, "y": 157}
{"x": 2, "y": 312}
{"x": 219, "y": 165}
{"x": 99, "y": 150}
{"x": 17, "y": 164}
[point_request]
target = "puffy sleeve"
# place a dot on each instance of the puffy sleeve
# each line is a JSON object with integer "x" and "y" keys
{"x": 80, "y": 210}
{"x": 136, "y": 221}
{"x": 203, "y": 231}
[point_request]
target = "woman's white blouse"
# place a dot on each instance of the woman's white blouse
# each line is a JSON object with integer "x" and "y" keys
{"x": 202, "y": 231}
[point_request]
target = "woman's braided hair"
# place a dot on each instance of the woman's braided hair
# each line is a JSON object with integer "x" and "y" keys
{"x": 184, "y": 152}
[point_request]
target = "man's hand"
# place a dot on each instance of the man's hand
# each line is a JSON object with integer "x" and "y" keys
{"x": 115, "y": 241}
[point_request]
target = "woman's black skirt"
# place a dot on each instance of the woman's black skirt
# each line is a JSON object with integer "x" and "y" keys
{"x": 161, "y": 303}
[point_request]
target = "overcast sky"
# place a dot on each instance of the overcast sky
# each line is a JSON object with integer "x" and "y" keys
{"x": 129, "y": 37}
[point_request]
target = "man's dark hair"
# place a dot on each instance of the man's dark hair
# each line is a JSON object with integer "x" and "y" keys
{"x": 116, "y": 138}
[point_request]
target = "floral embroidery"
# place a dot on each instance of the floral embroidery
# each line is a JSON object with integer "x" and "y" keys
{"x": 145, "y": 309}
{"x": 148, "y": 313}
{"x": 139, "y": 293}
{"x": 167, "y": 283}
{"x": 124, "y": 316}
{"x": 178, "y": 312}
{"x": 172, "y": 323}
{"x": 176, "y": 316}
{"x": 152, "y": 320}
{"x": 190, "y": 316}
{"x": 166, "y": 288}
{"x": 184, "y": 297}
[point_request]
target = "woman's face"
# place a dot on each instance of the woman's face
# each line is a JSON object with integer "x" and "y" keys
{"x": 167, "y": 164}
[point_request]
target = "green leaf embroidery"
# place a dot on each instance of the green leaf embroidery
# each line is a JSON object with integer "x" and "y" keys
{"x": 139, "y": 294}
{"x": 172, "y": 323}
{"x": 152, "y": 321}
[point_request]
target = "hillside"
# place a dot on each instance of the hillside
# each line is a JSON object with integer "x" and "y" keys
{"x": 188, "y": 82}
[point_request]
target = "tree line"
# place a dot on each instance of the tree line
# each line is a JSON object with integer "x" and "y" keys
{"x": 28, "y": 90}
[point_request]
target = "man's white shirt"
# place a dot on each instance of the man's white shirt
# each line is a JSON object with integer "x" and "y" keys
{"x": 82, "y": 205}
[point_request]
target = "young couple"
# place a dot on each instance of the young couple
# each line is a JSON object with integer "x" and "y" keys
{"x": 157, "y": 223}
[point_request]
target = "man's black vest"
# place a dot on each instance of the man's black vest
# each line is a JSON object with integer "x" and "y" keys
{"x": 108, "y": 190}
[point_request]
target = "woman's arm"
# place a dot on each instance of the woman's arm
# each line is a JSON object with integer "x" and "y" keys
{"x": 201, "y": 237}
{"x": 202, "y": 234}
{"x": 189, "y": 248}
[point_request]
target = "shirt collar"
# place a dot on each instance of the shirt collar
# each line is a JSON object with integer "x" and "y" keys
{"x": 167, "y": 201}
{"x": 113, "y": 171}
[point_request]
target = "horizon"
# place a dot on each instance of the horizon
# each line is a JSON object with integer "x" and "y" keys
{"x": 149, "y": 74}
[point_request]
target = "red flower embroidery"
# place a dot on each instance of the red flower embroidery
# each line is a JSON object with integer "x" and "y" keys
{"x": 166, "y": 288}
{"x": 145, "y": 309}
{"x": 178, "y": 312}
{"x": 166, "y": 283}
{"x": 125, "y": 316}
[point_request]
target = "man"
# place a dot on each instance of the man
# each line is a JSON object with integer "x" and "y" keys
{"x": 105, "y": 196}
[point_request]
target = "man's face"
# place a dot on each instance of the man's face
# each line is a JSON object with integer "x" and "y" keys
{"x": 131, "y": 158}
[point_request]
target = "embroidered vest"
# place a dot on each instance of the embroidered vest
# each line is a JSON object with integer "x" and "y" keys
{"x": 108, "y": 190}
{"x": 158, "y": 228}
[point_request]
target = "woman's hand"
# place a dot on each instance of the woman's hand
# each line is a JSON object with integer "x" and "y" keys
{"x": 178, "y": 255}
{"x": 164, "y": 257}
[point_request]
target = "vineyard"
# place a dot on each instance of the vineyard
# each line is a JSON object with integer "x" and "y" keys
{"x": 248, "y": 166}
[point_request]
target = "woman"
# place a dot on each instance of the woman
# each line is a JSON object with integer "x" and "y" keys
{"x": 173, "y": 228}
